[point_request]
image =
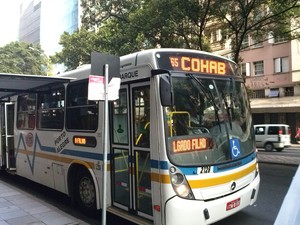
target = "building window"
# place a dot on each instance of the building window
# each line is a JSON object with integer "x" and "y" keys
{"x": 258, "y": 68}
{"x": 258, "y": 94}
{"x": 280, "y": 39}
{"x": 257, "y": 41}
{"x": 216, "y": 36}
{"x": 281, "y": 65}
{"x": 289, "y": 91}
{"x": 274, "y": 92}
{"x": 245, "y": 69}
{"x": 245, "y": 43}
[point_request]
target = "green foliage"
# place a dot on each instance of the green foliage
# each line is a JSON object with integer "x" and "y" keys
{"x": 23, "y": 58}
{"x": 255, "y": 18}
{"x": 77, "y": 48}
{"x": 124, "y": 26}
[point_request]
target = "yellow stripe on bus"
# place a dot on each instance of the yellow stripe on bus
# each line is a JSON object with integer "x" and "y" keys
{"x": 160, "y": 178}
{"x": 208, "y": 182}
{"x": 58, "y": 158}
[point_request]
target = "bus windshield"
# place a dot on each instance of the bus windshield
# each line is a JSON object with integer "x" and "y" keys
{"x": 210, "y": 122}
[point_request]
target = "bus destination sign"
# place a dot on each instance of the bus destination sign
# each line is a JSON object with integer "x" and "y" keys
{"x": 198, "y": 65}
{"x": 190, "y": 144}
{"x": 195, "y": 63}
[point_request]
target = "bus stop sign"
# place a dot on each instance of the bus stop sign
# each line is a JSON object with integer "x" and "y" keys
{"x": 99, "y": 60}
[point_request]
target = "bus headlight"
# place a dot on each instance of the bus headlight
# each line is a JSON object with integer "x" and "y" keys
{"x": 177, "y": 179}
{"x": 180, "y": 184}
{"x": 183, "y": 191}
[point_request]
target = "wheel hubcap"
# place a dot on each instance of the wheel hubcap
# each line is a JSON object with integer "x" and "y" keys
{"x": 87, "y": 191}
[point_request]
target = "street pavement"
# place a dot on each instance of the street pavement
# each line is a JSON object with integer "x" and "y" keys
{"x": 279, "y": 159}
{"x": 21, "y": 208}
{"x": 289, "y": 213}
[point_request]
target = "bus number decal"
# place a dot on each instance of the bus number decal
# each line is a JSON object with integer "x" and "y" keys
{"x": 204, "y": 169}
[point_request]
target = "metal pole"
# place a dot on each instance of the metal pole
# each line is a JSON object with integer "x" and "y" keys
{"x": 105, "y": 143}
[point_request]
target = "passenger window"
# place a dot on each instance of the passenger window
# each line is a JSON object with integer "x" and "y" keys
{"x": 51, "y": 109}
{"x": 141, "y": 98}
{"x": 26, "y": 111}
{"x": 120, "y": 119}
{"x": 81, "y": 114}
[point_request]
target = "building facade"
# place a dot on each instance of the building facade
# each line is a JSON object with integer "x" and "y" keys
{"x": 44, "y": 21}
{"x": 30, "y": 20}
{"x": 272, "y": 71}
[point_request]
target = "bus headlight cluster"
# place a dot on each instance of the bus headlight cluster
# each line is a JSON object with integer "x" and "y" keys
{"x": 179, "y": 183}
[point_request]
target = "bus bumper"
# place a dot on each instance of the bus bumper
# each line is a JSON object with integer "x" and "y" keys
{"x": 180, "y": 211}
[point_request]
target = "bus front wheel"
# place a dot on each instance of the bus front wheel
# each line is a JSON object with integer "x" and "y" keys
{"x": 85, "y": 194}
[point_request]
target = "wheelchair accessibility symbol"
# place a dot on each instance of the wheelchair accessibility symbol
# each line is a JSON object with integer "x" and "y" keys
{"x": 235, "y": 148}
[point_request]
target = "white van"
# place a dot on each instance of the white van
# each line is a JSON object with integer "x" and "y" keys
{"x": 272, "y": 136}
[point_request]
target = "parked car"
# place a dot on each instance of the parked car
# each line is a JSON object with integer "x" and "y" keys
{"x": 272, "y": 136}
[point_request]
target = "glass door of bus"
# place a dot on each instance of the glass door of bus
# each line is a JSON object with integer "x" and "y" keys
{"x": 9, "y": 111}
{"x": 131, "y": 167}
{"x": 3, "y": 138}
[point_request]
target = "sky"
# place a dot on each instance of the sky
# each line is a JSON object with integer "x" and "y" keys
{"x": 9, "y": 20}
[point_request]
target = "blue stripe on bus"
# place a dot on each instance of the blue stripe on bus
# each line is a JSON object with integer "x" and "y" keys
{"x": 84, "y": 154}
{"x": 155, "y": 164}
{"x": 236, "y": 164}
{"x": 88, "y": 155}
{"x": 221, "y": 167}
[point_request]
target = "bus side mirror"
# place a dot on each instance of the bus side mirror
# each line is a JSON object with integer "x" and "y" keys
{"x": 166, "y": 90}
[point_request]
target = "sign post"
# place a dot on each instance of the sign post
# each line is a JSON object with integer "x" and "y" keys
{"x": 107, "y": 67}
{"x": 105, "y": 151}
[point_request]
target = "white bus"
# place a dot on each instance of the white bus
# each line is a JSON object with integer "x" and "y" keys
{"x": 181, "y": 150}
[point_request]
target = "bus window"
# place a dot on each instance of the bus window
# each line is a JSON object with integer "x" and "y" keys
{"x": 141, "y": 96}
{"x": 51, "y": 109}
{"x": 26, "y": 111}
{"x": 120, "y": 119}
{"x": 81, "y": 113}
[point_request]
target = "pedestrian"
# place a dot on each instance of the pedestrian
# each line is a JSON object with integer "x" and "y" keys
{"x": 298, "y": 134}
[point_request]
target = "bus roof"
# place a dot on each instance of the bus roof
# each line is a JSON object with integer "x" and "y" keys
{"x": 142, "y": 57}
{"x": 11, "y": 84}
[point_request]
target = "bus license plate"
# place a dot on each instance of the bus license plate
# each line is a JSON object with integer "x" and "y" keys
{"x": 233, "y": 204}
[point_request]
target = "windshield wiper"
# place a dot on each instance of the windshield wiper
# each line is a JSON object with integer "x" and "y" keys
{"x": 208, "y": 95}
{"x": 228, "y": 108}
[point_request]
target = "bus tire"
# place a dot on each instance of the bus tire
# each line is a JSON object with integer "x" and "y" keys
{"x": 85, "y": 195}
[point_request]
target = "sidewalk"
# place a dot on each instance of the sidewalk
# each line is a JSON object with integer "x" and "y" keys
{"x": 20, "y": 208}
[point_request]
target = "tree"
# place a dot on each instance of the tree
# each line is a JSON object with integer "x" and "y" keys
{"x": 23, "y": 58}
{"x": 77, "y": 48}
{"x": 257, "y": 18}
{"x": 125, "y": 26}
{"x": 176, "y": 23}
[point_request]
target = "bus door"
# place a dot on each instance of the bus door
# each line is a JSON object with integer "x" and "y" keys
{"x": 131, "y": 163}
{"x": 9, "y": 110}
{"x": 2, "y": 136}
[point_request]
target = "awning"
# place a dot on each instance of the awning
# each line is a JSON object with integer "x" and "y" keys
{"x": 275, "y": 105}
{"x": 11, "y": 84}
